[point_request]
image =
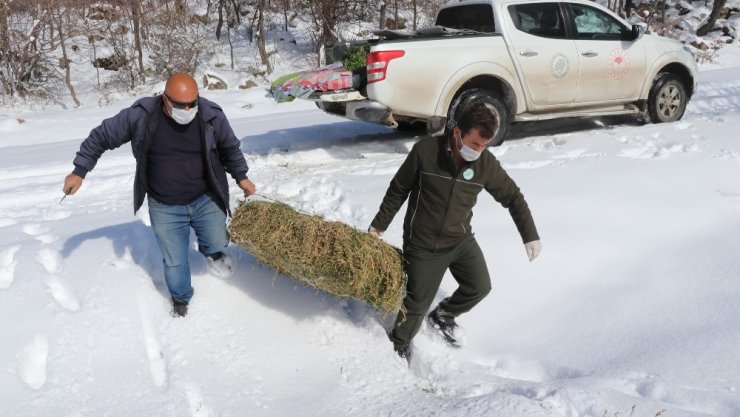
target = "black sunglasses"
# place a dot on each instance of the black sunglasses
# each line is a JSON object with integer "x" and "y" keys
{"x": 180, "y": 105}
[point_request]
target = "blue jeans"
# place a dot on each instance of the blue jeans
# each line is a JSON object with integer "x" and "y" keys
{"x": 171, "y": 225}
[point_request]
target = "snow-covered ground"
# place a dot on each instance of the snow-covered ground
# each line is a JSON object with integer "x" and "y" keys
{"x": 634, "y": 302}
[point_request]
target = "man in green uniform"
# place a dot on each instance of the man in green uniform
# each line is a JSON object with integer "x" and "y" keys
{"x": 442, "y": 177}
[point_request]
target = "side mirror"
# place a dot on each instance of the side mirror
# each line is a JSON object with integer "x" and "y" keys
{"x": 637, "y": 32}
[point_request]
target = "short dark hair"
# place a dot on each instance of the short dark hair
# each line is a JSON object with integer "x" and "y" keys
{"x": 478, "y": 116}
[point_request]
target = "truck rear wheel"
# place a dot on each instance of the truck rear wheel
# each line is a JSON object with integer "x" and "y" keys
{"x": 478, "y": 95}
{"x": 667, "y": 99}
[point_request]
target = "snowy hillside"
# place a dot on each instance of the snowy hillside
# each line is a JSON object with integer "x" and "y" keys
{"x": 633, "y": 302}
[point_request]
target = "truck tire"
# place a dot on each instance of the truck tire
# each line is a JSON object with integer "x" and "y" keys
{"x": 494, "y": 103}
{"x": 667, "y": 100}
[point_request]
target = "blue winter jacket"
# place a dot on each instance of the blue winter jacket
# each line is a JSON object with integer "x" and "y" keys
{"x": 138, "y": 124}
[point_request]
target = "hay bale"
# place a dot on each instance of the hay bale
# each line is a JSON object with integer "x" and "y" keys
{"x": 330, "y": 256}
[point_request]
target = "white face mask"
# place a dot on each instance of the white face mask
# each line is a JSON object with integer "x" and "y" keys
{"x": 183, "y": 116}
{"x": 467, "y": 153}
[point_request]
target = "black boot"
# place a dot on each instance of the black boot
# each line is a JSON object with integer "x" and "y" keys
{"x": 220, "y": 265}
{"x": 444, "y": 322}
{"x": 403, "y": 350}
{"x": 179, "y": 308}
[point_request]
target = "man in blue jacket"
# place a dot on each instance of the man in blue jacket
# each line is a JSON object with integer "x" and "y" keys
{"x": 183, "y": 145}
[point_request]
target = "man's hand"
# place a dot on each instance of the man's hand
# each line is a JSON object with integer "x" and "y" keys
{"x": 533, "y": 249}
{"x": 248, "y": 187}
{"x": 72, "y": 183}
{"x": 375, "y": 232}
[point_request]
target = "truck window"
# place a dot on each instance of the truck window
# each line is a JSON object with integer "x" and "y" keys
{"x": 477, "y": 17}
{"x": 538, "y": 19}
{"x": 594, "y": 24}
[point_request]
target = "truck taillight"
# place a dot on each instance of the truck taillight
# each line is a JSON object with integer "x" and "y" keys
{"x": 377, "y": 64}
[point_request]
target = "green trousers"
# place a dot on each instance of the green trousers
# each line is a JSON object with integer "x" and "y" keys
{"x": 425, "y": 270}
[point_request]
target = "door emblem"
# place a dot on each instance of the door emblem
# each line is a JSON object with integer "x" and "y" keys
{"x": 559, "y": 66}
{"x": 619, "y": 64}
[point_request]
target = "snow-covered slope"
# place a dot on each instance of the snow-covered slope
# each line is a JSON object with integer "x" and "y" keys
{"x": 635, "y": 300}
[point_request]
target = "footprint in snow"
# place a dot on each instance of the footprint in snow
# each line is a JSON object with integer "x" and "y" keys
{"x": 550, "y": 144}
{"x": 34, "y": 229}
{"x": 50, "y": 260}
{"x": 195, "y": 399}
{"x": 7, "y": 266}
{"x": 46, "y": 238}
{"x": 62, "y": 293}
{"x": 571, "y": 155}
{"x": 54, "y": 213}
{"x": 157, "y": 362}
{"x": 727, "y": 154}
{"x": 654, "y": 150}
{"x": 7, "y": 222}
{"x": 33, "y": 362}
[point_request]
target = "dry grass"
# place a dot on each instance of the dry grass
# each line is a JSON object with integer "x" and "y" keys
{"x": 330, "y": 256}
{"x": 632, "y": 412}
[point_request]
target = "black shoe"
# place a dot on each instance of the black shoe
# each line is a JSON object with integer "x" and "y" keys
{"x": 403, "y": 350}
{"x": 220, "y": 265}
{"x": 179, "y": 308}
{"x": 444, "y": 322}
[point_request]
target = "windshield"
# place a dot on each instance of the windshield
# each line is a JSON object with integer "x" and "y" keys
{"x": 477, "y": 17}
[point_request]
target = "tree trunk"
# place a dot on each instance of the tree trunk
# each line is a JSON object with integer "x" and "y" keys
{"x": 250, "y": 29}
{"x": 136, "y": 17}
{"x": 414, "y": 26}
{"x": 95, "y": 59}
{"x": 662, "y": 17}
{"x": 285, "y": 14}
{"x": 220, "y": 19}
{"x": 716, "y": 9}
{"x": 5, "y": 49}
{"x": 65, "y": 60}
{"x": 381, "y": 24}
{"x": 231, "y": 46}
{"x": 261, "y": 40}
{"x": 236, "y": 12}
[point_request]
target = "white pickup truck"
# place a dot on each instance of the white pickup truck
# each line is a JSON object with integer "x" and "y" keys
{"x": 528, "y": 59}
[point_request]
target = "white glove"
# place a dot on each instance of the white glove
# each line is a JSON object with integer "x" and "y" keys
{"x": 375, "y": 232}
{"x": 533, "y": 249}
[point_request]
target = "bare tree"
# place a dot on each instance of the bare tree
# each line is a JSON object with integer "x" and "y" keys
{"x": 177, "y": 42}
{"x": 709, "y": 25}
{"x": 262, "y": 36}
{"x": 381, "y": 23}
{"x": 286, "y": 8}
{"x": 25, "y": 59}
{"x": 220, "y": 19}
{"x": 57, "y": 13}
{"x": 5, "y": 49}
{"x": 136, "y": 21}
{"x": 415, "y": 15}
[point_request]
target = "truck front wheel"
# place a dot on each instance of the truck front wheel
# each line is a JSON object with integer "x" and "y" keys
{"x": 478, "y": 95}
{"x": 667, "y": 99}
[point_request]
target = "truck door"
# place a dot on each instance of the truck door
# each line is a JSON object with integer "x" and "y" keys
{"x": 612, "y": 67}
{"x": 546, "y": 59}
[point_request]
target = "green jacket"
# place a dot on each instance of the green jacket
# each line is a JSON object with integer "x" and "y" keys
{"x": 441, "y": 199}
